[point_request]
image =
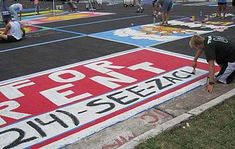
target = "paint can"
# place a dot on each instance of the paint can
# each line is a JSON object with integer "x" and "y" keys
{"x": 193, "y": 18}
{"x": 203, "y": 24}
{"x": 206, "y": 18}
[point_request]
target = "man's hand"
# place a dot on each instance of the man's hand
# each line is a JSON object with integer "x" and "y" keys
{"x": 209, "y": 88}
{"x": 194, "y": 64}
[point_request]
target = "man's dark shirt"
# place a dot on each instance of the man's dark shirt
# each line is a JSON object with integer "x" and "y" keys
{"x": 219, "y": 49}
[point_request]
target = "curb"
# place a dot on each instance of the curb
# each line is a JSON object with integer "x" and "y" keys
{"x": 177, "y": 120}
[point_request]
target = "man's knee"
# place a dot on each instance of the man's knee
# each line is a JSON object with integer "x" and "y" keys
{"x": 231, "y": 77}
{"x": 2, "y": 36}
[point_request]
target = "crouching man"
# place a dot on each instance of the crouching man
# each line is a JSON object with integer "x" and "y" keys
{"x": 217, "y": 49}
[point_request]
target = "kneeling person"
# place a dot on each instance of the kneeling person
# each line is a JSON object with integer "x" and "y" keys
{"x": 217, "y": 49}
{"x": 13, "y": 31}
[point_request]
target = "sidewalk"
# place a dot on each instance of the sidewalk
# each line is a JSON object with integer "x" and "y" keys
{"x": 129, "y": 133}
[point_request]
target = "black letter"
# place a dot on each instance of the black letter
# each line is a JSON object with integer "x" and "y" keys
{"x": 74, "y": 118}
{"x": 171, "y": 79}
{"x": 159, "y": 84}
{"x": 139, "y": 91}
{"x": 174, "y": 74}
{"x": 56, "y": 119}
{"x": 19, "y": 140}
{"x": 119, "y": 99}
{"x": 38, "y": 129}
{"x": 92, "y": 103}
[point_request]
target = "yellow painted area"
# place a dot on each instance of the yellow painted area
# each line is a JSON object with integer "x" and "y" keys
{"x": 27, "y": 29}
{"x": 165, "y": 30}
{"x": 224, "y": 23}
{"x": 41, "y": 12}
{"x": 63, "y": 17}
{"x": 67, "y": 17}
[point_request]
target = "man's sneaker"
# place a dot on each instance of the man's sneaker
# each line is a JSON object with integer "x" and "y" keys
{"x": 140, "y": 10}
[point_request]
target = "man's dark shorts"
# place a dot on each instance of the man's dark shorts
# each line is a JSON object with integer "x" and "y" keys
{"x": 10, "y": 38}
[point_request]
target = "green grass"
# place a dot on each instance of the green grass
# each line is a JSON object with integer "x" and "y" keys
{"x": 214, "y": 129}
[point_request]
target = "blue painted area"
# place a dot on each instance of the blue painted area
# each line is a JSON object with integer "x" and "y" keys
{"x": 28, "y": 10}
{"x": 25, "y": 10}
{"x": 109, "y": 35}
{"x": 146, "y": 2}
{"x": 33, "y": 17}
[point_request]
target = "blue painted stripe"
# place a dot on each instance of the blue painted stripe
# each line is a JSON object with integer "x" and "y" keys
{"x": 57, "y": 29}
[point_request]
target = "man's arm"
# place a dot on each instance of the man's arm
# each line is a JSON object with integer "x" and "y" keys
{"x": 22, "y": 29}
{"x": 198, "y": 54}
{"x": 7, "y": 28}
{"x": 211, "y": 76}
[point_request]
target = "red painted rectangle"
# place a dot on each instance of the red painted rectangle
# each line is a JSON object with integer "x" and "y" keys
{"x": 47, "y": 91}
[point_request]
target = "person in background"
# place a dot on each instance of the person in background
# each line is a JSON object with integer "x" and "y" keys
{"x": 73, "y": 5}
{"x": 36, "y": 6}
{"x": 13, "y": 31}
{"x": 14, "y": 8}
{"x": 139, "y": 6}
{"x": 222, "y": 4}
{"x": 4, "y": 10}
{"x": 217, "y": 49}
{"x": 163, "y": 6}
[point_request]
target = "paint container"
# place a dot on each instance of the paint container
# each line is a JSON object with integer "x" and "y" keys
{"x": 213, "y": 15}
{"x": 206, "y": 18}
{"x": 193, "y": 18}
{"x": 154, "y": 20}
{"x": 203, "y": 25}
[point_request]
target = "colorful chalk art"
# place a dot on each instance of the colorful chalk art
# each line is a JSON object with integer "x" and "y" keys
{"x": 28, "y": 29}
{"x": 211, "y": 22}
{"x": 147, "y": 35}
{"x": 63, "y": 17}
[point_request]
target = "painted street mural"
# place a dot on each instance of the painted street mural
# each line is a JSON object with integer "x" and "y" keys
{"x": 120, "y": 86}
{"x": 56, "y": 18}
{"x": 211, "y": 22}
{"x": 28, "y": 29}
{"x": 149, "y": 34}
